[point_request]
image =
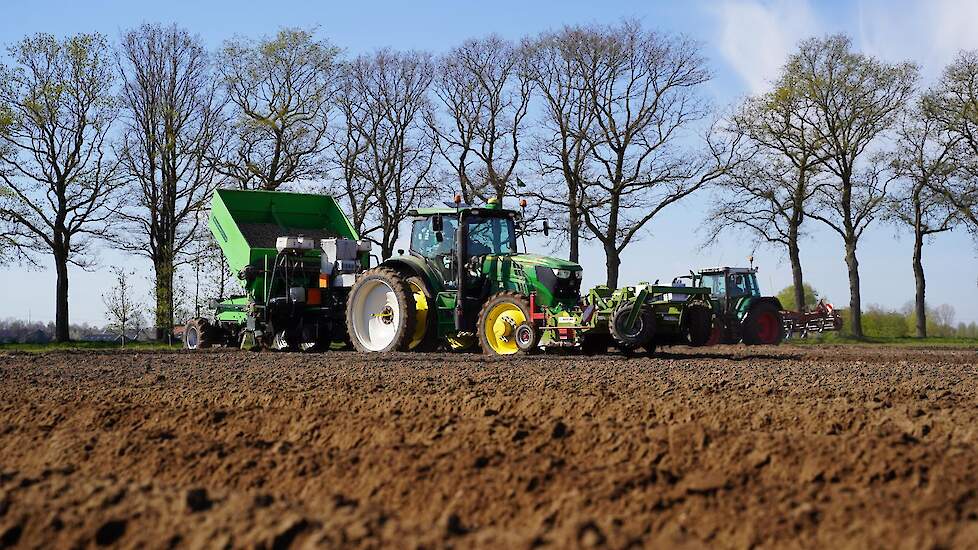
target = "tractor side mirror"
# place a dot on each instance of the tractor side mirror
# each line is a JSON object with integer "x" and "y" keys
{"x": 438, "y": 225}
{"x": 546, "y": 228}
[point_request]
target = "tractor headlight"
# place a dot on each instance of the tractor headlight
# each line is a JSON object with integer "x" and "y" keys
{"x": 561, "y": 273}
{"x": 579, "y": 274}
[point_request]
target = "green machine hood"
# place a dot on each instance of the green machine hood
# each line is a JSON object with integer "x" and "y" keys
{"x": 547, "y": 261}
{"x": 556, "y": 282}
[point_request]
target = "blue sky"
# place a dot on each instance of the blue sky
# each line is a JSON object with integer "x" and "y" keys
{"x": 745, "y": 40}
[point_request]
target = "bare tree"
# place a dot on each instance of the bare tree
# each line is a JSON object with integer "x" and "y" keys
{"x": 212, "y": 277}
{"x": 953, "y": 102}
{"x": 348, "y": 150}
{"x": 56, "y": 108}
{"x": 172, "y": 128}
{"x": 281, "y": 89}
{"x": 13, "y": 247}
{"x": 391, "y": 90}
{"x": 925, "y": 161}
{"x": 560, "y": 149}
{"x": 642, "y": 89}
{"x": 484, "y": 90}
{"x": 124, "y": 312}
{"x": 856, "y": 99}
{"x": 769, "y": 194}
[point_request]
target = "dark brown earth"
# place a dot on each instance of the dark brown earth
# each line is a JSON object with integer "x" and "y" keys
{"x": 734, "y": 447}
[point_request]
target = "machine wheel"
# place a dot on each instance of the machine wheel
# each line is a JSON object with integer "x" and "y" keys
{"x": 198, "y": 334}
{"x": 425, "y": 335}
{"x": 501, "y": 316}
{"x": 639, "y": 334}
{"x": 380, "y": 313}
{"x": 698, "y": 321}
{"x": 763, "y": 325}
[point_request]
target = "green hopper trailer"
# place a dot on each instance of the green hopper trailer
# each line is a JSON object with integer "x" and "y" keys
{"x": 296, "y": 255}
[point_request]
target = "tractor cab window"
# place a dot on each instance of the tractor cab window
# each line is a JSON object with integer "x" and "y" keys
{"x": 424, "y": 241}
{"x": 490, "y": 235}
{"x": 742, "y": 284}
{"x": 716, "y": 283}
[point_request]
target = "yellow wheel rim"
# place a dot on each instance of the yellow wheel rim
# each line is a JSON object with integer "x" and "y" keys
{"x": 421, "y": 306}
{"x": 500, "y": 328}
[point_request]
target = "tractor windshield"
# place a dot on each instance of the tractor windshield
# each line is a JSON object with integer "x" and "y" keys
{"x": 742, "y": 284}
{"x": 491, "y": 235}
{"x": 425, "y": 242}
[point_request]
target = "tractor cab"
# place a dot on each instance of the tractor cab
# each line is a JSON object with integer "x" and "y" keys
{"x": 729, "y": 283}
{"x": 445, "y": 238}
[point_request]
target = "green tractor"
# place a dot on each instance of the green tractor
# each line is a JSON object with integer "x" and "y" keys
{"x": 464, "y": 283}
{"x": 742, "y": 314}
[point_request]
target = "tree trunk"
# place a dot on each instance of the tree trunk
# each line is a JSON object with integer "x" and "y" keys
{"x": 61, "y": 298}
{"x": 164, "y": 299}
{"x": 574, "y": 235}
{"x": 855, "y": 306}
{"x": 796, "y": 276}
{"x": 613, "y": 261}
{"x": 573, "y": 222}
{"x": 920, "y": 303}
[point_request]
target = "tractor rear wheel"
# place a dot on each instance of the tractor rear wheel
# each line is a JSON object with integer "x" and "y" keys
{"x": 425, "y": 335}
{"x": 505, "y": 325}
{"x": 380, "y": 312}
{"x": 640, "y": 334}
{"x": 763, "y": 325}
{"x": 198, "y": 334}
{"x": 698, "y": 324}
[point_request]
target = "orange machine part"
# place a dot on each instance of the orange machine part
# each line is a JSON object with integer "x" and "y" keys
{"x": 314, "y": 297}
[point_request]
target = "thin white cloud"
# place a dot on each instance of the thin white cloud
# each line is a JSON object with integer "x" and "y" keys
{"x": 930, "y": 33}
{"x": 756, "y": 36}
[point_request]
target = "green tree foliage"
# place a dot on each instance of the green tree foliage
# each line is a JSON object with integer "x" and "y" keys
{"x": 856, "y": 100}
{"x": 787, "y": 297}
{"x": 882, "y": 322}
{"x": 57, "y": 104}
{"x": 281, "y": 90}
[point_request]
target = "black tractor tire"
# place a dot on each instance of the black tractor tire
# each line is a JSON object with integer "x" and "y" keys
{"x": 500, "y": 298}
{"x": 641, "y": 334}
{"x": 763, "y": 325}
{"x": 198, "y": 334}
{"x": 429, "y": 342}
{"x": 403, "y": 319}
{"x": 698, "y": 324}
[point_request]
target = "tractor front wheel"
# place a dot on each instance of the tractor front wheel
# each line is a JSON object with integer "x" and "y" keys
{"x": 380, "y": 312}
{"x": 698, "y": 324}
{"x": 505, "y": 325}
{"x": 763, "y": 326}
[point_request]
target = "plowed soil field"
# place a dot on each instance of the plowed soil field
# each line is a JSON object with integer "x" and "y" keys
{"x": 728, "y": 447}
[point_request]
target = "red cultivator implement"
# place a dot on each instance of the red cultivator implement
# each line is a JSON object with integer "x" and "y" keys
{"x": 823, "y": 318}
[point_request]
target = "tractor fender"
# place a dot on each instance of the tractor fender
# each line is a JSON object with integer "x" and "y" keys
{"x": 766, "y": 300}
{"x": 409, "y": 265}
